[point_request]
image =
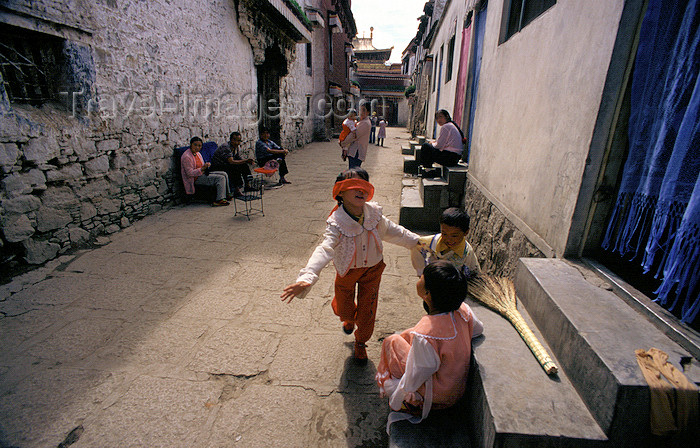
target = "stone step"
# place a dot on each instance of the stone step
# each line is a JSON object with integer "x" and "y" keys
{"x": 413, "y": 214}
{"x": 435, "y": 194}
{"x": 456, "y": 176}
{"x": 407, "y": 150}
{"x": 420, "y": 139}
{"x": 594, "y": 334}
{"x": 512, "y": 401}
{"x": 410, "y": 165}
{"x": 430, "y": 173}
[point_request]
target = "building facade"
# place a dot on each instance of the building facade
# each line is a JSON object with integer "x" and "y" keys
{"x": 330, "y": 62}
{"x": 381, "y": 83}
{"x": 549, "y": 111}
{"x": 96, "y": 95}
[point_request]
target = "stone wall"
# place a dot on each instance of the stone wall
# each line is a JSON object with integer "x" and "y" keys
{"x": 146, "y": 77}
{"x": 498, "y": 243}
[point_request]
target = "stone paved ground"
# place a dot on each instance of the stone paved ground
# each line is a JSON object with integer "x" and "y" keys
{"x": 173, "y": 333}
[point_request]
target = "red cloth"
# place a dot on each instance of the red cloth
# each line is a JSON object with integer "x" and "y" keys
{"x": 352, "y": 184}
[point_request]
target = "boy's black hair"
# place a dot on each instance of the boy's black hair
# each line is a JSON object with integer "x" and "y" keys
{"x": 263, "y": 130}
{"x": 446, "y": 285}
{"x": 349, "y": 174}
{"x": 455, "y": 217}
{"x": 195, "y": 139}
{"x": 234, "y": 134}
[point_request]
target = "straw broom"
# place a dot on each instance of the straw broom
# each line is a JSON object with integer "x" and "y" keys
{"x": 498, "y": 293}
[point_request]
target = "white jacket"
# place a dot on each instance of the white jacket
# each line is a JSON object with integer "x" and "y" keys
{"x": 353, "y": 245}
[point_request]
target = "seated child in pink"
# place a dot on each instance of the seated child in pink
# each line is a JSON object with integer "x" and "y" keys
{"x": 426, "y": 367}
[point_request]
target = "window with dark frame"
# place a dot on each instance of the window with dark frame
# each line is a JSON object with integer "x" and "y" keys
{"x": 330, "y": 45}
{"x": 31, "y": 65}
{"x": 308, "y": 55}
{"x": 521, "y": 12}
{"x": 450, "y": 59}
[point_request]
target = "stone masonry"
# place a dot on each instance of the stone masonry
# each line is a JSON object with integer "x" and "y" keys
{"x": 498, "y": 243}
{"x": 144, "y": 77}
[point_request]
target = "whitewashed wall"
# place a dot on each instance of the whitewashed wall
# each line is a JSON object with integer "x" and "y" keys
{"x": 538, "y": 99}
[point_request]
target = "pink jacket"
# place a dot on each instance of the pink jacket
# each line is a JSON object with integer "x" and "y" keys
{"x": 188, "y": 170}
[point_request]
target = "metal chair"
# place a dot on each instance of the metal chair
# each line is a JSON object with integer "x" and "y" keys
{"x": 254, "y": 193}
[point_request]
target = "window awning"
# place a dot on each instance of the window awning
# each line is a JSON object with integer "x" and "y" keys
{"x": 335, "y": 24}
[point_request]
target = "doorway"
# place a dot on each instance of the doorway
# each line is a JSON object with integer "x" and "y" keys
{"x": 269, "y": 74}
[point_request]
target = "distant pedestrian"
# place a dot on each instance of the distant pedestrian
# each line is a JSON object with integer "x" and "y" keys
{"x": 372, "y": 130}
{"x": 353, "y": 240}
{"x": 381, "y": 135}
{"x": 358, "y": 141}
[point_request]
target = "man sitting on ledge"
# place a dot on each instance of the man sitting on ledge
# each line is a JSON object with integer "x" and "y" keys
{"x": 266, "y": 150}
{"x": 227, "y": 158}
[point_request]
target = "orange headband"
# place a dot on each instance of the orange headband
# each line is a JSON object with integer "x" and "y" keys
{"x": 353, "y": 184}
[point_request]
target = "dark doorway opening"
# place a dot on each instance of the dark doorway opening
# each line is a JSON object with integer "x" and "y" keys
{"x": 269, "y": 106}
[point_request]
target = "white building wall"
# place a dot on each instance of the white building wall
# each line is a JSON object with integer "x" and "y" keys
{"x": 158, "y": 73}
{"x": 538, "y": 98}
{"x": 452, "y": 22}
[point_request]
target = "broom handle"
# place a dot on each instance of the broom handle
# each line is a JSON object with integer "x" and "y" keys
{"x": 530, "y": 339}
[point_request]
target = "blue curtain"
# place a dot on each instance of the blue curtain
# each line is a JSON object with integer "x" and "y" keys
{"x": 656, "y": 219}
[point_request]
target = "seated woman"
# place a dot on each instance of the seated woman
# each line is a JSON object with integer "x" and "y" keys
{"x": 426, "y": 367}
{"x": 447, "y": 151}
{"x": 194, "y": 172}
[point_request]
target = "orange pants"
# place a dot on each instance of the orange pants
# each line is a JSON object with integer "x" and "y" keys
{"x": 365, "y": 311}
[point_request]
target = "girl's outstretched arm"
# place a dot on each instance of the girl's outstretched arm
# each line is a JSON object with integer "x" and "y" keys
{"x": 293, "y": 290}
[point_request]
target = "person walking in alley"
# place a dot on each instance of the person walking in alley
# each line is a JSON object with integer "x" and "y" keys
{"x": 381, "y": 135}
{"x": 226, "y": 158}
{"x": 353, "y": 240}
{"x": 195, "y": 172}
{"x": 358, "y": 141}
{"x": 447, "y": 151}
{"x": 266, "y": 150}
{"x": 373, "y": 129}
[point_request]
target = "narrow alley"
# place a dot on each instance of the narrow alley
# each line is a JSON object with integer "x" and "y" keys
{"x": 173, "y": 334}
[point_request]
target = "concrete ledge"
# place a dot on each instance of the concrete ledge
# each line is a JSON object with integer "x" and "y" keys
{"x": 442, "y": 428}
{"x": 456, "y": 177}
{"x": 410, "y": 165}
{"x": 513, "y": 402}
{"x": 435, "y": 194}
{"x": 594, "y": 335}
{"x": 413, "y": 214}
{"x": 406, "y": 150}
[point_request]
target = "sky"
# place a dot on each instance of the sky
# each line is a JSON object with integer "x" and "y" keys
{"x": 395, "y": 22}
